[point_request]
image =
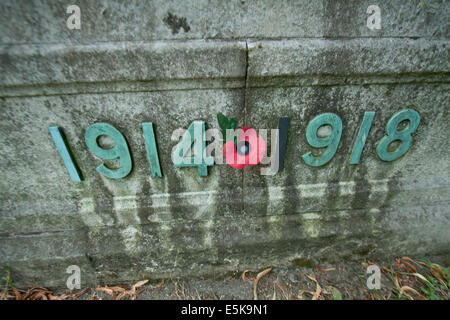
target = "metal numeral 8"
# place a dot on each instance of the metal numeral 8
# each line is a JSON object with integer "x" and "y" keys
{"x": 403, "y": 135}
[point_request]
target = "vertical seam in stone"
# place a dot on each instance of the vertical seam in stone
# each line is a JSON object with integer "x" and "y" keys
{"x": 245, "y": 116}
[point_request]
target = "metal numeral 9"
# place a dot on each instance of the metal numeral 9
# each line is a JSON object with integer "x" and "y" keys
{"x": 331, "y": 142}
{"x": 119, "y": 152}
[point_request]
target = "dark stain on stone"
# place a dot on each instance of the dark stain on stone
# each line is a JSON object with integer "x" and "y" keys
{"x": 333, "y": 195}
{"x": 5, "y": 60}
{"x": 394, "y": 189}
{"x": 176, "y": 23}
{"x": 364, "y": 251}
{"x": 145, "y": 202}
{"x": 304, "y": 263}
{"x": 362, "y": 188}
{"x": 290, "y": 194}
{"x": 188, "y": 234}
{"x": 339, "y": 17}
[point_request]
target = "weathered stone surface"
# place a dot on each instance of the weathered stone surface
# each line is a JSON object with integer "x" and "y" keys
{"x": 45, "y": 21}
{"x": 347, "y": 61}
{"x": 121, "y": 67}
{"x": 34, "y": 258}
{"x": 38, "y": 196}
{"x": 388, "y": 198}
{"x": 256, "y": 61}
{"x": 301, "y": 79}
{"x": 48, "y": 190}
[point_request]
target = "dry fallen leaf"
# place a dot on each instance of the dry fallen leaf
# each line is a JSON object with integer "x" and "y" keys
{"x": 106, "y": 290}
{"x": 301, "y": 292}
{"x": 410, "y": 267}
{"x": 76, "y": 295}
{"x": 421, "y": 277}
{"x": 406, "y": 288}
{"x": 138, "y": 285}
{"x": 244, "y": 278}
{"x": 258, "y": 277}
{"x": 325, "y": 270}
{"x": 37, "y": 293}
{"x": 397, "y": 281}
{"x": 160, "y": 285}
{"x": 438, "y": 273}
{"x": 123, "y": 294}
{"x": 409, "y": 259}
{"x": 60, "y": 297}
{"x": 117, "y": 289}
{"x": 318, "y": 288}
{"x": 274, "y": 295}
{"x": 17, "y": 294}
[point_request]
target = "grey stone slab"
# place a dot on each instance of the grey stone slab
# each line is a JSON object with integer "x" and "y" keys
{"x": 123, "y": 62}
{"x": 346, "y": 61}
{"x": 182, "y": 249}
{"x": 405, "y": 200}
{"x": 398, "y": 19}
{"x": 419, "y": 177}
{"x": 43, "y": 258}
{"x": 45, "y": 21}
{"x": 252, "y": 242}
{"x": 38, "y": 195}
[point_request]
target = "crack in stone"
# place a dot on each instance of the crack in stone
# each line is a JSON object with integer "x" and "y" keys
{"x": 245, "y": 116}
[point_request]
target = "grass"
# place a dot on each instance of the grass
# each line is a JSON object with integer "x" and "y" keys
{"x": 416, "y": 280}
{"x": 6, "y": 283}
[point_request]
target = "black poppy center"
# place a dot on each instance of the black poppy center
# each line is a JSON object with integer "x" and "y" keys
{"x": 243, "y": 148}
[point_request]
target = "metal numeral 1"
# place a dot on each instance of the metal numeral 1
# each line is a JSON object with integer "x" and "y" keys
{"x": 362, "y": 136}
{"x": 152, "y": 152}
{"x": 64, "y": 153}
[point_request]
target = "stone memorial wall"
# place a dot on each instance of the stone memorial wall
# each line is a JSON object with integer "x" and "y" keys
{"x": 96, "y": 98}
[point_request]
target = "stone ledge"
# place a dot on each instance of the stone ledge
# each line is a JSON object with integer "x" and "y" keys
{"x": 302, "y": 60}
{"x": 61, "y": 64}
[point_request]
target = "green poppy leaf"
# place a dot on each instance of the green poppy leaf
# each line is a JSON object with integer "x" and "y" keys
{"x": 223, "y": 121}
{"x": 232, "y": 124}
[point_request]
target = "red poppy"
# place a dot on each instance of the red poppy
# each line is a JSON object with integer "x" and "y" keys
{"x": 249, "y": 150}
